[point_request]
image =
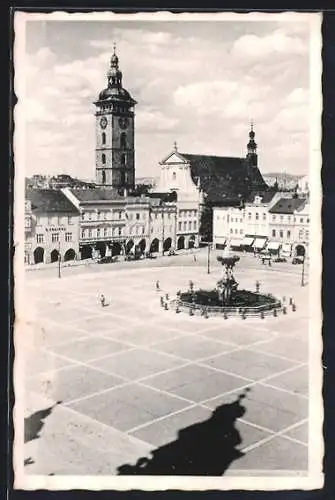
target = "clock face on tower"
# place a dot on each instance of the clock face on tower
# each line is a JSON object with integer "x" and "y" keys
{"x": 103, "y": 122}
{"x": 123, "y": 122}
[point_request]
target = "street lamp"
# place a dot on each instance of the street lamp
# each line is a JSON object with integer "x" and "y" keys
{"x": 208, "y": 257}
{"x": 59, "y": 259}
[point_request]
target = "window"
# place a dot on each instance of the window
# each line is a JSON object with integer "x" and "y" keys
{"x": 98, "y": 215}
{"x": 273, "y": 233}
{"x": 105, "y": 232}
{"x": 257, "y": 216}
{"x": 90, "y": 233}
{"x": 137, "y": 216}
{"x": 301, "y": 220}
{"x": 189, "y": 225}
{"x": 194, "y": 225}
{"x": 281, "y": 234}
{"x": 169, "y": 215}
{"x": 40, "y": 238}
{"x": 185, "y": 225}
{"x": 231, "y": 230}
{"x": 89, "y": 215}
{"x": 306, "y": 235}
{"x": 241, "y": 231}
{"x": 174, "y": 176}
{"x": 54, "y": 237}
{"x": 83, "y": 233}
{"x": 249, "y": 215}
{"x": 179, "y": 226}
{"x": 98, "y": 233}
{"x": 120, "y": 231}
{"x": 301, "y": 234}
{"x": 68, "y": 237}
{"x": 281, "y": 218}
{"x": 273, "y": 217}
{"x": 103, "y": 159}
{"x": 120, "y": 214}
{"x": 123, "y": 141}
{"x": 288, "y": 218}
{"x": 307, "y": 220}
{"x": 264, "y": 216}
{"x": 103, "y": 138}
{"x": 288, "y": 235}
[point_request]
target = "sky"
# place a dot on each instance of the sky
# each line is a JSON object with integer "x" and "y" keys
{"x": 197, "y": 83}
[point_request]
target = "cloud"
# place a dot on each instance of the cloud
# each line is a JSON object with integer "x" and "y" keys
{"x": 199, "y": 90}
{"x": 278, "y": 43}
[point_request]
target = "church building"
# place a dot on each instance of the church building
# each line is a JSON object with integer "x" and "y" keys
{"x": 203, "y": 181}
{"x": 115, "y": 133}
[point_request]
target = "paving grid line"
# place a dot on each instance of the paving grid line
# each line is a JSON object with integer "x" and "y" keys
{"x": 187, "y": 362}
{"x": 211, "y": 327}
{"x": 277, "y": 434}
{"x": 96, "y": 422}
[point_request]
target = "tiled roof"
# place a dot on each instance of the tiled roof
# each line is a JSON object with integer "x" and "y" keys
{"x": 286, "y": 205}
{"x": 49, "y": 201}
{"x": 266, "y": 196}
{"x": 96, "y": 194}
{"x": 222, "y": 177}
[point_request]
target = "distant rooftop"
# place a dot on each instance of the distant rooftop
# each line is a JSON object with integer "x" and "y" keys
{"x": 287, "y": 205}
{"x": 49, "y": 201}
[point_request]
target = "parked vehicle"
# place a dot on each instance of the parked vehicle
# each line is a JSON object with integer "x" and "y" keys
{"x": 108, "y": 259}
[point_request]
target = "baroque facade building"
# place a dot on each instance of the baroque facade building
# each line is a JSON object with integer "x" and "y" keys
{"x": 200, "y": 181}
{"x": 112, "y": 224}
{"x": 54, "y": 227}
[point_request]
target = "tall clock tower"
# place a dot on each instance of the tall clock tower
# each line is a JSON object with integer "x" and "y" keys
{"x": 115, "y": 133}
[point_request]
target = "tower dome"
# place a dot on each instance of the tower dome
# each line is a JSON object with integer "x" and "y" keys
{"x": 114, "y": 89}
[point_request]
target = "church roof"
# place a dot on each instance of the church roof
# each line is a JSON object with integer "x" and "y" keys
{"x": 223, "y": 178}
{"x": 287, "y": 205}
{"x": 49, "y": 201}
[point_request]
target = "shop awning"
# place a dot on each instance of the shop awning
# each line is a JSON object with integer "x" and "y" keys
{"x": 247, "y": 241}
{"x": 260, "y": 242}
{"x": 235, "y": 243}
{"x": 273, "y": 245}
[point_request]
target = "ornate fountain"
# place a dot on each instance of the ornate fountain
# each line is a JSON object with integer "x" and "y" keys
{"x": 226, "y": 298}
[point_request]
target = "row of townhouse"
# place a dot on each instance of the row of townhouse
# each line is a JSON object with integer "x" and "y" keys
{"x": 269, "y": 220}
{"x": 72, "y": 224}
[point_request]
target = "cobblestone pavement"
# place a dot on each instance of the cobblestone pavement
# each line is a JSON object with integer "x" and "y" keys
{"x": 105, "y": 386}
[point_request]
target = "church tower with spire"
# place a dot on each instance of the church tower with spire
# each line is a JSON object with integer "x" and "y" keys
{"x": 115, "y": 133}
{"x": 252, "y": 157}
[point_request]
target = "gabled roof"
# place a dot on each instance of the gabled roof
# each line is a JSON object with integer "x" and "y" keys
{"x": 266, "y": 196}
{"x": 97, "y": 194}
{"x": 222, "y": 177}
{"x": 49, "y": 201}
{"x": 286, "y": 205}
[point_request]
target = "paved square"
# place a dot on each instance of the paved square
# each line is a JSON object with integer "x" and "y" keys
{"x": 132, "y": 378}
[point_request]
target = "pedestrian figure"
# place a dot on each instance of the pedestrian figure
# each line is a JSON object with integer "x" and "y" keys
{"x": 157, "y": 286}
{"x": 194, "y": 258}
{"x": 102, "y": 300}
{"x": 269, "y": 263}
{"x": 167, "y": 296}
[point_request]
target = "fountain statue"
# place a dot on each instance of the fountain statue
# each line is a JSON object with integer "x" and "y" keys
{"x": 227, "y": 286}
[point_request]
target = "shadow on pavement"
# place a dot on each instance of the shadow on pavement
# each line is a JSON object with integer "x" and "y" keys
{"x": 203, "y": 449}
{"x": 35, "y": 422}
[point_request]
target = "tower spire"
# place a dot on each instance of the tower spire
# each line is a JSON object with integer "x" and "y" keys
{"x": 252, "y": 147}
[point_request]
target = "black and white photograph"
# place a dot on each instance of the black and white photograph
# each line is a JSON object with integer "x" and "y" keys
{"x": 167, "y": 227}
